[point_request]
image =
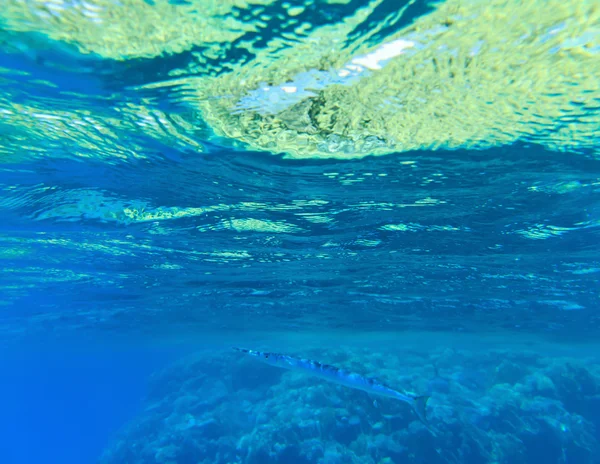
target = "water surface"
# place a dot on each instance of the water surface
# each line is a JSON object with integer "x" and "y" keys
{"x": 409, "y": 190}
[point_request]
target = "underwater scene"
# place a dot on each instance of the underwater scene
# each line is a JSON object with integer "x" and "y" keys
{"x": 300, "y": 231}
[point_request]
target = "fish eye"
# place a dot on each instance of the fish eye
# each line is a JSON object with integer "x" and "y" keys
{"x": 266, "y": 356}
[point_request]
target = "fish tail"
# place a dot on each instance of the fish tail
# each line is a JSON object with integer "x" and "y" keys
{"x": 239, "y": 349}
{"x": 419, "y": 404}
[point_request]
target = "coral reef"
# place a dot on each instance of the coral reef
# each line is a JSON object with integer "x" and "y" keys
{"x": 493, "y": 407}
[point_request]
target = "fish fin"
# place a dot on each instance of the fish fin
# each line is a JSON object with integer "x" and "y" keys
{"x": 420, "y": 406}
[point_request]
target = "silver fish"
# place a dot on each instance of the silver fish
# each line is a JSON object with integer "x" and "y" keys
{"x": 340, "y": 377}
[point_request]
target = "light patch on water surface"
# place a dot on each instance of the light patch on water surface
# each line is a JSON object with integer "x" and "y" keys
{"x": 271, "y": 100}
{"x": 142, "y": 214}
{"x": 367, "y": 243}
{"x": 132, "y": 28}
{"x": 86, "y": 204}
{"x": 412, "y": 227}
{"x": 559, "y": 187}
{"x": 589, "y": 270}
{"x": 563, "y": 305}
{"x": 79, "y": 133}
{"x": 469, "y": 74}
{"x": 383, "y": 206}
{"x": 316, "y": 218}
{"x": 58, "y": 131}
{"x": 543, "y": 232}
{"x": 468, "y": 80}
{"x": 167, "y": 266}
{"x": 114, "y": 249}
{"x": 377, "y": 59}
{"x": 260, "y": 225}
{"x": 13, "y": 253}
{"x": 83, "y": 250}
{"x": 38, "y": 275}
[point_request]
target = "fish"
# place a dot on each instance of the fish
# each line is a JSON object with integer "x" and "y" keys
{"x": 341, "y": 377}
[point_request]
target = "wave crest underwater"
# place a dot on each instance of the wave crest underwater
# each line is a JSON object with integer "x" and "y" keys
{"x": 362, "y": 78}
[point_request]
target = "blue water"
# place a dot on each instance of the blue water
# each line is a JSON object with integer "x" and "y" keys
{"x": 62, "y": 404}
{"x": 131, "y": 263}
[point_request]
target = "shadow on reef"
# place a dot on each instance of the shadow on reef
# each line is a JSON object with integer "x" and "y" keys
{"x": 500, "y": 407}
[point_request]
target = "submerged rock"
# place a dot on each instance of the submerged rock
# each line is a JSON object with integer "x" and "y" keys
{"x": 509, "y": 372}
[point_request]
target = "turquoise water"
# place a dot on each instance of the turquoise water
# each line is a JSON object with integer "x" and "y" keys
{"x": 286, "y": 180}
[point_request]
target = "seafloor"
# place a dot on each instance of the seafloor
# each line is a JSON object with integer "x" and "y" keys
{"x": 491, "y": 402}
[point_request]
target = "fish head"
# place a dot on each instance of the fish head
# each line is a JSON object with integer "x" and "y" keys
{"x": 269, "y": 358}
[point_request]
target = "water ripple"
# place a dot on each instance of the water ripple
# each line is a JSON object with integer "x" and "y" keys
{"x": 216, "y": 164}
